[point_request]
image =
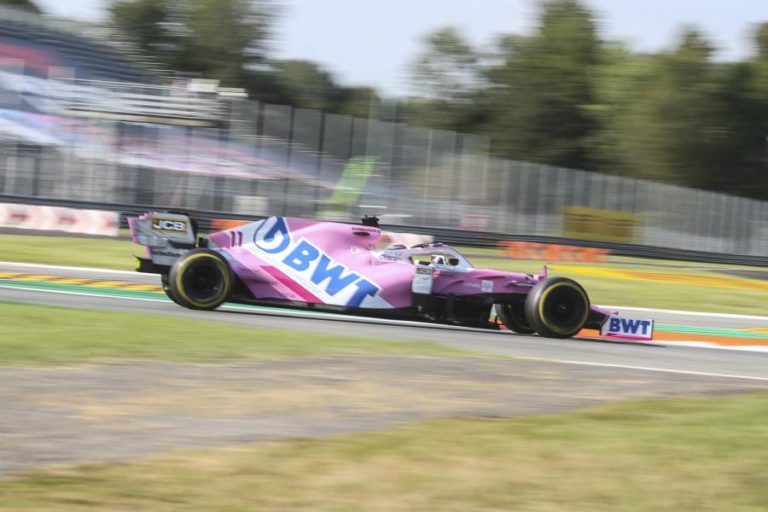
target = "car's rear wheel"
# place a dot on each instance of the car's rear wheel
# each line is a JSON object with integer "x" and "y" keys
{"x": 513, "y": 317}
{"x": 167, "y": 289}
{"x": 201, "y": 279}
{"x": 557, "y": 307}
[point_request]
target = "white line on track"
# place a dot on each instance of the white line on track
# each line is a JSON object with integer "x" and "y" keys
{"x": 649, "y": 369}
{"x": 702, "y": 344}
{"x": 304, "y": 314}
{"x": 84, "y": 294}
{"x": 691, "y": 313}
{"x": 61, "y": 267}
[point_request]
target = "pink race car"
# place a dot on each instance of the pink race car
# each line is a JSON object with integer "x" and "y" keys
{"x": 335, "y": 266}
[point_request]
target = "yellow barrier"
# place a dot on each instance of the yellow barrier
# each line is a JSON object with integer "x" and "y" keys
{"x": 596, "y": 224}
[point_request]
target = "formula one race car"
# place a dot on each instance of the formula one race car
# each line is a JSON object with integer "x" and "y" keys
{"x": 336, "y": 267}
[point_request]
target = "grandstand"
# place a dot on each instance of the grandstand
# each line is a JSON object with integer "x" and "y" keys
{"x": 83, "y": 116}
{"x": 93, "y": 52}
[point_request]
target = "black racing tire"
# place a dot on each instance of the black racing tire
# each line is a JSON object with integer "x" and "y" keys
{"x": 201, "y": 279}
{"x": 557, "y": 307}
{"x": 168, "y": 293}
{"x": 513, "y": 317}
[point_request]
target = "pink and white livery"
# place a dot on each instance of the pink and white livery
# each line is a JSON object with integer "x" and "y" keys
{"x": 335, "y": 266}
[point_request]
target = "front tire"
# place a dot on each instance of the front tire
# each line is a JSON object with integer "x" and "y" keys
{"x": 201, "y": 279}
{"x": 557, "y": 307}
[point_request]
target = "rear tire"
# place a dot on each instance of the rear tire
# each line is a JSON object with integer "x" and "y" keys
{"x": 513, "y": 317}
{"x": 167, "y": 289}
{"x": 201, "y": 279}
{"x": 557, "y": 307}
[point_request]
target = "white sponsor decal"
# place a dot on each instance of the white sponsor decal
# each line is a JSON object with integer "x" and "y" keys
{"x": 634, "y": 328}
{"x": 311, "y": 268}
{"x": 160, "y": 224}
{"x": 422, "y": 281}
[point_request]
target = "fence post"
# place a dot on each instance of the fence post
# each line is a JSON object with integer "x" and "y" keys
{"x": 396, "y": 162}
{"x": 319, "y": 164}
{"x": 503, "y": 210}
{"x": 456, "y": 178}
{"x": 37, "y": 164}
{"x": 427, "y": 169}
{"x": 288, "y": 161}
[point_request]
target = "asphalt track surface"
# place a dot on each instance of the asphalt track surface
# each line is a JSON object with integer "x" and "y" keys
{"x": 655, "y": 357}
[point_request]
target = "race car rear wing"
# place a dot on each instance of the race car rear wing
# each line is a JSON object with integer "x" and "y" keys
{"x": 166, "y": 237}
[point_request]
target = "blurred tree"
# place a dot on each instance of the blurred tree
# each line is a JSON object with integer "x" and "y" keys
{"x": 742, "y": 167}
{"x": 679, "y": 118}
{"x": 543, "y": 88}
{"x": 362, "y": 102}
{"x": 27, "y": 5}
{"x": 306, "y": 84}
{"x": 761, "y": 40}
{"x": 449, "y": 79}
{"x": 447, "y": 69}
{"x": 230, "y": 36}
{"x": 222, "y": 39}
{"x": 620, "y": 81}
{"x": 758, "y": 84}
{"x": 149, "y": 23}
{"x": 665, "y": 131}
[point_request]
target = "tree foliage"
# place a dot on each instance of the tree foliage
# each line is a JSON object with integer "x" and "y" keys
{"x": 564, "y": 97}
{"x": 559, "y": 96}
{"x": 450, "y": 80}
{"x": 222, "y": 39}
{"x": 679, "y": 117}
{"x": 543, "y": 88}
{"x": 27, "y": 5}
{"x": 448, "y": 67}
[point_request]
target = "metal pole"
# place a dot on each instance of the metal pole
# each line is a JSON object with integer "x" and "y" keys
{"x": 426, "y": 178}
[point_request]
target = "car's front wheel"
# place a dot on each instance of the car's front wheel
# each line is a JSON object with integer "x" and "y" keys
{"x": 557, "y": 307}
{"x": 201, "y": 279}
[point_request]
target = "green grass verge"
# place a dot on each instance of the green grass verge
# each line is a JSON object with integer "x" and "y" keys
{"x": 650, "y": 293}
{"x": 654, "y": 294}
{"x": 63, "y": 250}
{"x": 697, "y": 454}
{"x": 41, "y": 335}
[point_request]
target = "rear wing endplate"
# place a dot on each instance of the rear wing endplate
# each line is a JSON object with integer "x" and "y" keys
{"x": 166, "y": 235}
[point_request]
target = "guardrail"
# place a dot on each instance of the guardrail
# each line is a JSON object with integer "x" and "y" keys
{"x": 138, "y": 102}
{"x": 445, "y": 235}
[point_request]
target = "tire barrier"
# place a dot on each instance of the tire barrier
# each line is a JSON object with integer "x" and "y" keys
{"x": 552, "y": 252}
{"x": 56, "y": 218}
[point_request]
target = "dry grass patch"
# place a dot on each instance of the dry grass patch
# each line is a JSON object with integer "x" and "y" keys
{"x": 702, "y": 454}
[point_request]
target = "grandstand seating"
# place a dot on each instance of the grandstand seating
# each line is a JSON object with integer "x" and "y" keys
{"x": 84, "y": 48}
